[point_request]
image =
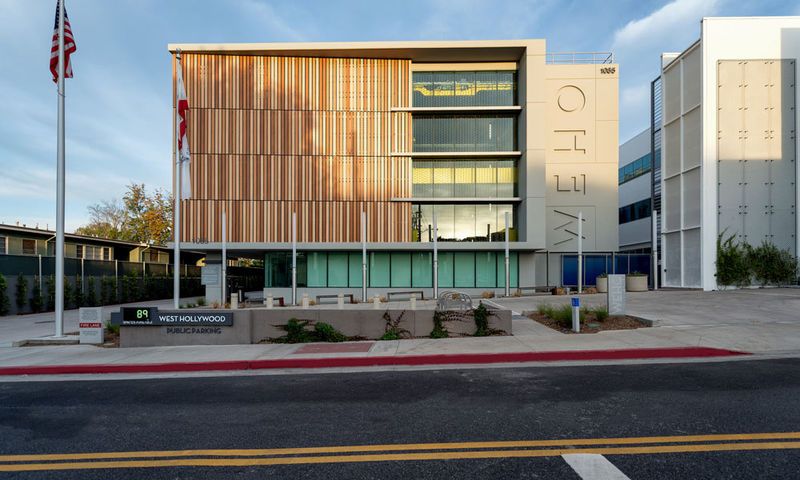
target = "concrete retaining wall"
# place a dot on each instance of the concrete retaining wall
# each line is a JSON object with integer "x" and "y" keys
{"x": 255, "y": 325}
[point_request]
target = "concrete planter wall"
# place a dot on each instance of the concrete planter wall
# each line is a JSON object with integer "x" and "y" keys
{"x": 636, "y": 283}
{"x": 602, "y": 284}
{"x": 256, "y": 325}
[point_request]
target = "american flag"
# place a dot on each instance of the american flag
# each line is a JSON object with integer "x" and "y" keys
{"x": 183, "y": 142}
{"x": 69, "y": 46}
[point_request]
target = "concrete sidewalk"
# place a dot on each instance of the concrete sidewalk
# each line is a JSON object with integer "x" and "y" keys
{"x": 754, "y": 321}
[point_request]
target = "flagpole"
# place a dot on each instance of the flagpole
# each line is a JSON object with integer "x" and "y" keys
{"x": 176, "y": 286}
{"x": 60, "y": 187}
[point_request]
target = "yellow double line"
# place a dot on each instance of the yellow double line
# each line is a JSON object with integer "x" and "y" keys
{"x": 400, "y": 452}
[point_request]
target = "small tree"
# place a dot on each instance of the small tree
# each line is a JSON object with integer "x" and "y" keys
{"x": 4, "y": 302}
{"x": 37, "y": 302}
{"x": 91, "y": 294}
{"x": 771, "y": 265}
{"x": 22, "y": 292}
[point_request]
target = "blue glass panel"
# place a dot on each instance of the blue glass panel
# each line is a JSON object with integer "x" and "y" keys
{"x": 569, "y": 270}
{"x": 593, "y": 265}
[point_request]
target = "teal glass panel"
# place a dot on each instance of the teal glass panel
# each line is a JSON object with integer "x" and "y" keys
{"x": 378, "y": 269}
{"x": 422, "y": 269}
{"x": 316, "y": 269}
{"x": 445, "y": 270}
{"x": 485, "y": 269}
{"x": 513, "y": 267}
{"x": 401, "y": 269}
{"x": 337, "y": 269}
{"x": 464, "y": 269}
{"x": 355, "y": 269}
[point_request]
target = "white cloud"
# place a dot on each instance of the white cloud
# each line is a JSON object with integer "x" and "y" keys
{"x": 668, "y": 25}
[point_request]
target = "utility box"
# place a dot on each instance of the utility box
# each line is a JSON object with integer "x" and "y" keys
{"x": 90, "y": 324}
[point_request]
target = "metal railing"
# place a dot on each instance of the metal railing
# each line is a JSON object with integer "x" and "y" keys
{"x": 574, "y": 58}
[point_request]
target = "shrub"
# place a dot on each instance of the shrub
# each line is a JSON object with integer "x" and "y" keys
{"x": 4, "y": 302}
{"x": 50, "y": 283}
{"x": 326, "y": 333}
{"x": 108, "y": 291}
{"x": 69, "y": 294}
{"x": 22, "y": 292}
{"x": 78, "y": 300}
{"x": 487, "y": 294}
{"x": 37, "y": 302}
{"x": 481, "y": 316}
{"x": 295, "y": 330}
{"x": 112, "y": 328}
{"x": 91, "y": 294}
{"x": 600, "y": 313}
{"x": 201, "y": 302}
{"x": 732, "y": 264}
{"x": 392, "y": 330}
{"x": 771, "y": 265}
{"x": 439, "y": 330}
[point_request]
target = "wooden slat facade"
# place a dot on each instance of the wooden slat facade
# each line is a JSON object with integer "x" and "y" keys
{"x": 274, "y": 135}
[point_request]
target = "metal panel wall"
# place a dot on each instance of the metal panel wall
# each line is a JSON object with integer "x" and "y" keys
{"x": 756, "y": 150}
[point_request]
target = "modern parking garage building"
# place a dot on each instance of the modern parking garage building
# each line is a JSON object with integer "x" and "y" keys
{"x": 463, "y": 131}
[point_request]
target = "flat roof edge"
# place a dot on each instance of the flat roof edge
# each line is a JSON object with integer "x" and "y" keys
{"x": 379, "y": 45}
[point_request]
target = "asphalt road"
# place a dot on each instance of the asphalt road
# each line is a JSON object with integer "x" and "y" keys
{"x": 601, "y": 403}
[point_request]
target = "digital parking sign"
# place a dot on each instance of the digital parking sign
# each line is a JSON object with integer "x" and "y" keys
{"x": 139, "y": 315}
{"x": 145, "y": 316}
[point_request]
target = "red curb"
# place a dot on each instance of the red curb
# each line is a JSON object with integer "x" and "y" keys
{"x": 450, "y": 359}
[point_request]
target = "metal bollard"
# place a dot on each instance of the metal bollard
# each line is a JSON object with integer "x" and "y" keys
{"x": 413, "y": 302}
{"x": 265, "y": 296}
{"x": 269, "y": 300}
{"x": 576, "y": 314}
{"x": 305, "y": 300}
{"x": 376, "y": 301}
{"x": 340, "y": 301}
{"x": 234, "y": 301}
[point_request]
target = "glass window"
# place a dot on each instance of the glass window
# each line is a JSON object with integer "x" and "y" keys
{"x": 277, "y": 269}
{"x": 422, "y": 269}
{"x": 423, "y": 89}
{"x": 445, "y": 222}
{"x": 443, "y": 88}
{"x": 426, "y": 223}
{"x": 506, "y": 178}
{"x": 445, "y": 270}
{"x": 464, "y": 178}
{"x": 464, "y": 228}
{"x": 486, "y": 179}
{"x": 422, "y": 178}
{"x": 464, "y": 269}
{"x": 354, "y": 275}
{"x": 401, "y": 269}
{"x": 3, "y": 247}
{"x": 464, "y": 88}
{"x": 28, "y": 246}
{"x": 485, "y": 269}
{"x": 337, "y": 269}
{"x": 501, "y": 224}
{"x": 443, "y": 178}
{"x": 513, "y": 264}
{"x": 379, "y": 269}
{"x": 464, "y": 133}
{"x": 486, "y": 221}
{"x": 78, "y": 250}
{"x": 316, "y": 269}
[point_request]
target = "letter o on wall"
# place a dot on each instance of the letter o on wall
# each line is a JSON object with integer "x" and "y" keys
{"x": 571, "y": 99}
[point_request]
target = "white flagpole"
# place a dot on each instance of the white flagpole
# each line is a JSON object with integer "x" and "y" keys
{"x": 363, "y": 256}
{"x": 580, "y": 252}
{"x": 60, "y": 187}
{"x": 435, "y": 259}
{"x": 224, "y": 256}
{"x": 506, "y": 261}
{"x": 294, "y": 258}
{"x": 176, "y": 285}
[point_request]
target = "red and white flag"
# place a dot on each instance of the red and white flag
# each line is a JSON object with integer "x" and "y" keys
{"x": 183, "y": 143}
{"x": 69, "y": 46}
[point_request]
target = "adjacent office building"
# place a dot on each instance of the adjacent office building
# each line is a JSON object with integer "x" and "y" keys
{"x": 729, "y": 143}
{"x": 468, "y": 132}
{"x": 635, "y": 194}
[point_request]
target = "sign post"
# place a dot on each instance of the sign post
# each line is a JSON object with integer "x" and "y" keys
{"x": 90, "y": 323}
{"x": 576, "y": 314}
{"x": 615, "y": 297}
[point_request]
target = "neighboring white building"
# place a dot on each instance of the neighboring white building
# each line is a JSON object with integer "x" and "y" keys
{"x": 635, "y": 194}
{"x": 729, "y": 143}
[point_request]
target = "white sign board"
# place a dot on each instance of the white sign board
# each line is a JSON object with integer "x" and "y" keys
{"x": 90, "y": 324}
{"x": 209, "y": 274}
{"x": 616, "y": 295}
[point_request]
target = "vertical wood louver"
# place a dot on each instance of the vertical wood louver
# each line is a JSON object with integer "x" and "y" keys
{"x": 273, "y": 135}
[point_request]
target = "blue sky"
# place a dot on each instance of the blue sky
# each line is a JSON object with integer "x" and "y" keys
{"x": 118, "y": 116}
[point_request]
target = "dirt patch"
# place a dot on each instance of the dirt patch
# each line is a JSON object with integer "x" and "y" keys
{"x": 590, "y": 324}
{"x": 111, "y": 340}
